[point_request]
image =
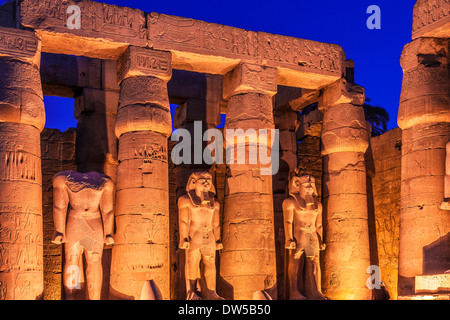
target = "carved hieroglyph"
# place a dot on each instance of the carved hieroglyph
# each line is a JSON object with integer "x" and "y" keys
{"x": 345, "y": 139}
{"x": 424, "y": 117}
{"x": 199, "y": 223}
{"x": 248, "y": 260}
{"x": 143, "y": 124}
{"x": 431, "y": 18}
{"x": 106, "y": 30}
{"x": 21, "y": 120}
{"x": 83, "y": 216}
{"x": 302, "y": 212}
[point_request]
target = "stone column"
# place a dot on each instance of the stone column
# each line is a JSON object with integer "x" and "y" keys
{"x": 248, "y": 259}
{"x": 141, "y": 250}
{"x": 344, "y": 141}
{"x": 22, "y": 118}
{"x": 424, "y": 117}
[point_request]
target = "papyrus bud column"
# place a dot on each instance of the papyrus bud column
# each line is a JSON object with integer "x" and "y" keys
{"x": 247, "y": 263}
{"x": 143, "y": 124}
{"x": 424, "y": 117}
{"x": 344, "y": 142}
{"x": 22, "y": 118}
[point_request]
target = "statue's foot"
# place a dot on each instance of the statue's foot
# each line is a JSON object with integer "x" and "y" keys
{"x": 215, "y": 296}
{"x": 318, "y": 296}
{"x": 296, "y": 296}
{"x": 445, "y": 205}
{"x": 193, "y": 296}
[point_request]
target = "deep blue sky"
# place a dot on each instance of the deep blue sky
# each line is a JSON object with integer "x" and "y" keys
{"x": 376, "y": 53}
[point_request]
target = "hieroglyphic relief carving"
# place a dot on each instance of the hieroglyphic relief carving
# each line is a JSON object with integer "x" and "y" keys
{"x": 97, "y": 18}
{"x": 174, "y": 30}
{"x": 13, "y": 43}
{"x": 429, "y": 12}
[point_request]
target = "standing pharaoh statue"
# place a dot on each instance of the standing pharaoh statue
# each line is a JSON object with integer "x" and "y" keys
{"x": 199, "y": 224}
{"x": 446, "y": 203}
{"x": 302, "y": 213}
{"x": 84, "y": 221}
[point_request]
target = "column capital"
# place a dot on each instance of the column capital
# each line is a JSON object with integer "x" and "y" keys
{"x": 246, "y": 77}
{"x": 425, "y": 92}
{"x": 341, "y": 92}
{"x": 20, "y": 45}
{"x": 139, "y": 61}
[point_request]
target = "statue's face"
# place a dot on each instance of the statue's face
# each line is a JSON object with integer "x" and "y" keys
{"x": 203, "y": 184}
{"x": 308, "y": 187}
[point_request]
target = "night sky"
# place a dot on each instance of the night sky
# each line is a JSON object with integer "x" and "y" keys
{"x": 376, "y": 53}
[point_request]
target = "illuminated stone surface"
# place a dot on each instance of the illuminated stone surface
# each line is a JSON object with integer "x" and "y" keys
{"x": 247, "y": 262}
{"x": 83, "y": 217}
{"x": 259, "y": 80}
{"x": 424, "y": 117}
{"x": 302, "y": 212}
{"x": 199, "y": 223}
{"x": 143, "y": 124}
{"x": 345, "y": 140}
{"x": 22, "y": 118}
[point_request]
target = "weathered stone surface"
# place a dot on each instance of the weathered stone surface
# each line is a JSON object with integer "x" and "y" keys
{"x": 344, "y": 142}
{"x": 142, "y": 206}
{"x": 425, "y": 91}
{"x": 58, "y": 154}
{"x": 248, "y": 261}
{"x": 433, "y": 283}
{"x": 384, "y": 157}
{"x": 431, "y": 18}
{"x": 424, "y": 117}
{"x": 197, "y": 45}
{"x": 21, "y": 236}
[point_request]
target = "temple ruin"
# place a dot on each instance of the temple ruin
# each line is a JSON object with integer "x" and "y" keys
{"x": 385, "y": 198}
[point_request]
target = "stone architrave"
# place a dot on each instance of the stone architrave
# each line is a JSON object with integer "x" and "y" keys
{"x": 345, "y": 139}
{"x": 199, "y": 224}
{"x": 22, "y": 118}
{"x": 143, "y": 124}
{"x": 83, "y": 216}
{"x": 247, "y": 263}
{"x": 302, "y": 212}
{"x": 424, "y": 117}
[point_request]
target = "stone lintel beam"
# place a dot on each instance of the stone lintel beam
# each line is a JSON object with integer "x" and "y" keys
{"x": 107, "y": 30}
{"x": 431, "y": 19}
{"x": 425, "y": 89}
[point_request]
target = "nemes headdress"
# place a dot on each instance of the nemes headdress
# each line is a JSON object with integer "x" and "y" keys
{"x": 196, "y": 176}
{"x": 301, "y": 179}
{"x": 190, "y": 188}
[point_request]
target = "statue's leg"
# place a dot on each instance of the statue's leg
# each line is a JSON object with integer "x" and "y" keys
{"x": 312, "y": 278}
{"x": 72, "y": 270}
{"x": 295, "y": 268}
{"x": 192, "y": 273}
{"x": 209, "y": 263}
{"x": 94, "y": 274}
